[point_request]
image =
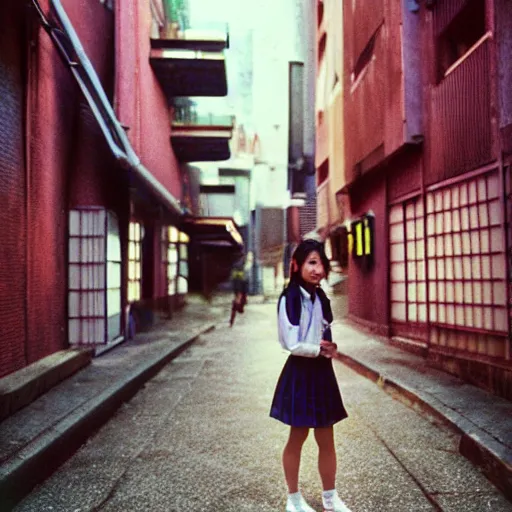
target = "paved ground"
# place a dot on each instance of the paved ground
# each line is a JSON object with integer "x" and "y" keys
{"x": 198, "y": 438}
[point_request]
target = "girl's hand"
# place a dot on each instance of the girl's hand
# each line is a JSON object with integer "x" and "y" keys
{"x": 328, "y": 349}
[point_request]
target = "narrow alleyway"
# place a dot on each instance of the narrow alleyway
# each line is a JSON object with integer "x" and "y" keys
{"x": 198, "y": 438}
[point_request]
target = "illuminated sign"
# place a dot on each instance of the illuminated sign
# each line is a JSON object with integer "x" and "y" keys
{"x": 360, "y": 238}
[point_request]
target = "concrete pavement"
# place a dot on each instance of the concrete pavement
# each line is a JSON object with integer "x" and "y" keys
{"x": 483, "y": 420}
{"x": 198, "y": 438}
{"x": 38, "y": 439}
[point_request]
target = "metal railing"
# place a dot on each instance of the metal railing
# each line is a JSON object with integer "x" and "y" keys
{"x": 188, "y": 113}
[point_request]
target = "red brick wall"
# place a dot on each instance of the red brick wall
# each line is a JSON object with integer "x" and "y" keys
{"x": 51, "y": 102}
{"x": 12, "y": 191}
{"x": 55, "y": 160}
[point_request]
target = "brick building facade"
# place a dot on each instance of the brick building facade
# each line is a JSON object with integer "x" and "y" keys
{"x": 424, "y": 177}
{"x": 92, "y": 227}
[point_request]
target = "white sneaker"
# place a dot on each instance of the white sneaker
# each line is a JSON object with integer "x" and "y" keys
{"x": 332, "y": 503}
{"x": 296, "y": 503}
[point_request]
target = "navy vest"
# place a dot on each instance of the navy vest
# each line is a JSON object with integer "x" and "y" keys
{"x": 293, "y": 297}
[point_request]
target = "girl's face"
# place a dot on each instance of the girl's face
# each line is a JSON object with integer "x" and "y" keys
{"x": 312, "y": 270}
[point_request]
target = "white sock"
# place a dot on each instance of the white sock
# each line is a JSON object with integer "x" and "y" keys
{"x": 295, "y": 497}
{"x": 329, "y": 494}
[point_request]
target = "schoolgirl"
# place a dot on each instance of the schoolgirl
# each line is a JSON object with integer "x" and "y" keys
{"x": 307, "y": 394}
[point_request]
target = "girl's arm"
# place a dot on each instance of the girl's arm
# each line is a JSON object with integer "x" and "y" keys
{"x": 289, "y": 335}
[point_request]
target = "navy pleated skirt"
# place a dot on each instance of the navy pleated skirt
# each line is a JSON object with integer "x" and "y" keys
{"x": 307, "y": 394}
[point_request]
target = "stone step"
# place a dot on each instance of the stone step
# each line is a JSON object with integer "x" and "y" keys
{"x": 22, "y": 387}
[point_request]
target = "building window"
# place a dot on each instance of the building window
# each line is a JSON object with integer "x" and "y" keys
{"x": 183, "y": 265}
{"x": 407, "y": 262}
{"x": 508, "y": 181}
{"x": 321, "y": 48}
{"x": 323, "y": 172}
{"x": 464, "y": 31}
{"x": 94, "y": 276}
{"x": 172, "y": 260}
{"x": 175, "y": 260}
{"x": 114, "y": 270}
{"x": 364, "y": 58}
{"x": 466, "y": 255}
{"x": 467, "y": 267}
{"x": 320, "y": 11}
{"x": 135, "y": 234}
{"x": 109, "y": 4}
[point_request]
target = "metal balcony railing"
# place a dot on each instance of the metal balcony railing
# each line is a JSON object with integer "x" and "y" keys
{"x": 177, "y": 27}
{"x": 190, "y": 114}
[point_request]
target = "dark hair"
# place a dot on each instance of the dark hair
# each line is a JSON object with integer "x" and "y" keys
{"x": 303, "y": 250}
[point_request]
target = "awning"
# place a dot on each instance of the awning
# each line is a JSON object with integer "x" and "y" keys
{"x": 218, "y": 244}
{"x": 71, "y": 50}
{"x": 213, "y": 229}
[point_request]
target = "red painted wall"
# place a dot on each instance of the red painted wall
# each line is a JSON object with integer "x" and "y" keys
{"x": 404, "y": 174}
{"x": 382, "y": 105}
{"x": 92, "y": 174}
{"x": 368, "y": 289}
{"x": 140, "y": 102}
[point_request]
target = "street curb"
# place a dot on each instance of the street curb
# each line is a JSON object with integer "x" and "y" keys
{"x": 476, "y": 445}
{"x": 43, "y": 455}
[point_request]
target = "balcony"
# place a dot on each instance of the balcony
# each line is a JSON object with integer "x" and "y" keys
{"x": 191, "y": 62}
{"x": 198, "y": 134}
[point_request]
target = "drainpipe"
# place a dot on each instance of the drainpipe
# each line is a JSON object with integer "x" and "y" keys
{"x": 121, "y": 148}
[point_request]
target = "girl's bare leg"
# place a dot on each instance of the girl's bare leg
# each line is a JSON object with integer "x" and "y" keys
{"x": 326, "y": 457}
{"x": 291, "y": 457}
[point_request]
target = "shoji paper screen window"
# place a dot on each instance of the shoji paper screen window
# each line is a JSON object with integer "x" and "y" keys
{"x": 508, "y": 179}
{"x": 134, "y": 261}
{"x": 467, "y": 263}
{"x": 172, "y": 260}
{"x": 94, "y": 277}
{"x": 175, "y": 251}
{"x": 183, "y": 264}
{"x": 407, "y": 262}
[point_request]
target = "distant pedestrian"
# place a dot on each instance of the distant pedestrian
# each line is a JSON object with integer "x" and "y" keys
{"x": 307, "y": 394}
{"x": 240, "y": 280}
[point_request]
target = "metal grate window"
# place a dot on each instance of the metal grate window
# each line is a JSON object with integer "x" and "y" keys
{"x": 407, "y": 262}
{"x": 134, "y": 261}
{"x": 94, "y": 300}
{"x": 466, "y": 256}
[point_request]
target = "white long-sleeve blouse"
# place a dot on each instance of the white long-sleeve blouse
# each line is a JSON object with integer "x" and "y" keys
{"x": 303, "y": 339}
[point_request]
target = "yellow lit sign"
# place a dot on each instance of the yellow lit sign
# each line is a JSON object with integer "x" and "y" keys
{"x": 359, "y": 239}
{"x": 367, "y": 237}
